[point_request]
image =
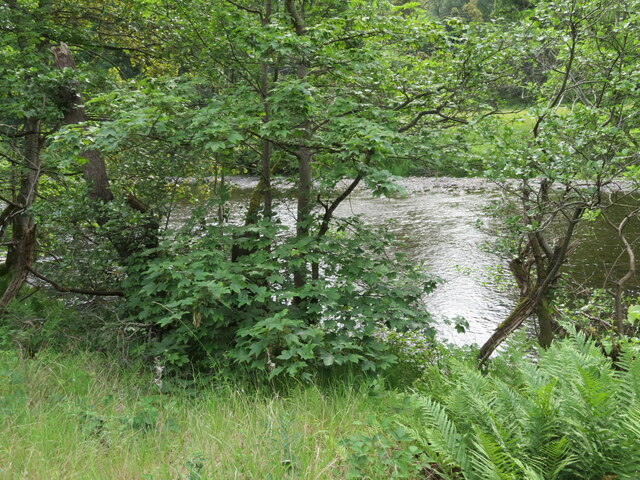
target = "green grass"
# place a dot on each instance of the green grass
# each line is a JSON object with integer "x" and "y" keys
{"x": 86, "y": 417}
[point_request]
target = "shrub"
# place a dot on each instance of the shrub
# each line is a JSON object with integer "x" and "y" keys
{"x": 210, "y": 308}
{"x": 41, "y": 320}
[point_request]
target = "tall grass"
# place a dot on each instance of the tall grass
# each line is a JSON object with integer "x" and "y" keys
{"x": 83, "y": 417}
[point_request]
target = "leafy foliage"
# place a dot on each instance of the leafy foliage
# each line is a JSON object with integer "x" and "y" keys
{"x": 206, "y": 306}
{"x": 388, "y": 452}
{"x": 570, "y": 416}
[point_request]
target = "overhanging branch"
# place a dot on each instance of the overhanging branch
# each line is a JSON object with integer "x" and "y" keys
{"x": 82, "y": 291}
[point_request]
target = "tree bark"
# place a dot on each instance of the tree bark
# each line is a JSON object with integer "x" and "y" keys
{"x": 523, "y": 310}
{"x": 303, "y": 154}
{"x": 95, "y": 170}
{"x": 546, "y": 330}
{"x": 21, "y": 252}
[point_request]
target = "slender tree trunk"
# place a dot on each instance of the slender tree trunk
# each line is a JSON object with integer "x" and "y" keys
{"x": 620, "y": 313}
{"x": 267, "y": 194}
{"x": 265, "y": 157}
{"x": 263, "y": 193}
{"x": 303, "y": 154}
{"x": 22, "y": 250}
{"x": 304, "y": 207}
{"x": 620, "y": 310}
{"x": 619, "y": 306}
{"x": 258, "y": 197}
{"x": 533, "y": 293}
{"x": 542, "y": 255}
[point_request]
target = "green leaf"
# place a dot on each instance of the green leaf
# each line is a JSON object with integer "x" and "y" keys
{"x": 633, "y": 314}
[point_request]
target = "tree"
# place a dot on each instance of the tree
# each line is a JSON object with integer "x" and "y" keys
{"x": 582, "y": 139}
{"x": 24, "y": 90}
{"x": 313, "y": 83}
{"x": 348, "y": 92}
{"x": 44, "y": 100}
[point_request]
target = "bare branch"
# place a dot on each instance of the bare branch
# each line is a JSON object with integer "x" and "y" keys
{"x": 246, "y": 9}
{"x": 83, "y": 291}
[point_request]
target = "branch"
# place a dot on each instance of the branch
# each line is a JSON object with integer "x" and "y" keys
{"x": 60, "y": 288}
{"x": 417, "y": 118}
{"x": 544, "y": 245}
{"x": 329, "y": 209}
{"x": 298, "y": 22}
{"x": 411, "y": 100}
{"x": 246, "y": 9}
{"x": 560, "y": 252}
{"x": 352, "y": 37}
{"x": 11, "y": 203}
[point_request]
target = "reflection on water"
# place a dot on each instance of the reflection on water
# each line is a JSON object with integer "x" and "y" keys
{"x": 440, "y": 229}
{"x": 599, "y": 260}
{"x": 437, "y": 224}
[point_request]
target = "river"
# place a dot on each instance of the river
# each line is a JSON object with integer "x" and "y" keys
{"x": 444, "y": 223}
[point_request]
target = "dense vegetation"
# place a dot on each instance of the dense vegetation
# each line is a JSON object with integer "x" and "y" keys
{"x": 153, "y": 325}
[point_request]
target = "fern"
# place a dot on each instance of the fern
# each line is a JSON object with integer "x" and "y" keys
{"x": 442, "y": 442}
{"x": 491, "y": 462}
{"x": 568, "y": 416}
{"x": 629, "y": 466}
{"x": 555, "y": 457}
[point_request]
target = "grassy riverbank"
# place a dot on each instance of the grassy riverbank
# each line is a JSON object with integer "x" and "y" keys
{"x": 567, "y": 415}
{"x": 84, "y": 417}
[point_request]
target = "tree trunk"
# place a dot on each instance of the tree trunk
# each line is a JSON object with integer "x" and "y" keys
{"x": 21, "y": 252}
{"x": 304, "y": 208}
{"x": 546, "y": 324}
{"x": 523, "y": 310}
{"x": 303, "y": 154}
{"x": 265, "y": 157}
{"x": 95, "y": 170}
{"x": 533, "y": 294}
{"x": 620, "y": 313}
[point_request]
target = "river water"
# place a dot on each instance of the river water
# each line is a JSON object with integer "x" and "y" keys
{"x": 444, "y": 223}
{"x": 438, "y": 224}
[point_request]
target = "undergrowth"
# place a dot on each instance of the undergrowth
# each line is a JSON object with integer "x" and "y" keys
{"x": 570, "y": 414}
{"x": 565, "y": 413}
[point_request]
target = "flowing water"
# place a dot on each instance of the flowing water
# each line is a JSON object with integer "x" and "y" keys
{"x": 439, "y": 226}
{"x": 444, "y": 224}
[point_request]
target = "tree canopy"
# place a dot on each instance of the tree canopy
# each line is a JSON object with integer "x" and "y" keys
{"x": 123, "y": 120}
